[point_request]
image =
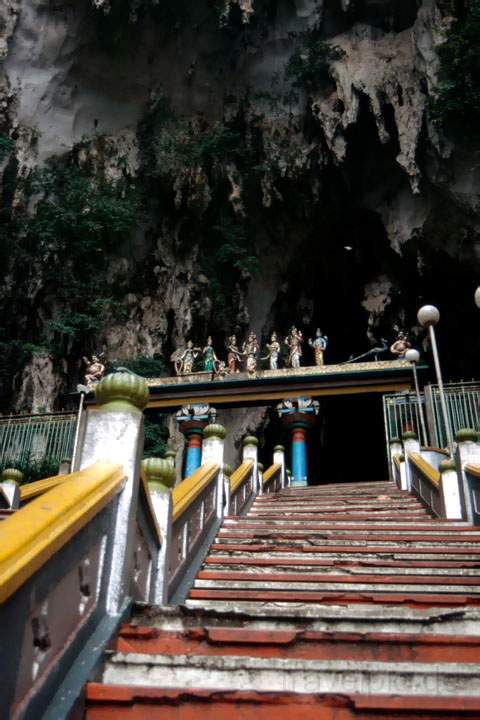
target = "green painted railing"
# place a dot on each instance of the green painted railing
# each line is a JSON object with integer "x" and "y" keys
{"x": 463, "y": 405}
{"x": 25, "y": 438}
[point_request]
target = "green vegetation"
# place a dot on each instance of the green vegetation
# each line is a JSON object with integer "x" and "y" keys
{"x": 32, "y": 469}
{"x": 195, "y": 158}
{"x": 227, "y": 254}
{"x": 309, "y": 66}
{"x": 156, "y": 436}
{"x": 456, "y": 99}
{"x": 73, "y": 220}
{"x": 145, "y": 366}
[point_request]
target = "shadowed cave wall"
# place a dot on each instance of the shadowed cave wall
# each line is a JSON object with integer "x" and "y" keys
{"x": 229, "y": 165}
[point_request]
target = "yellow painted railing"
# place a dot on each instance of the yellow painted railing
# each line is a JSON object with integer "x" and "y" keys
{"x": 272, "y": 470}
{"x": 437, "y": 450}
{"x": 397, "y": 461}
{"x": 428, "y": 472}
{"x": 184, "y": 494}
{"x": 33, "y": 489}
{"x": 36, "y": 532}
{"x": 473, "y": 470}
{"x": 240, "y": 474}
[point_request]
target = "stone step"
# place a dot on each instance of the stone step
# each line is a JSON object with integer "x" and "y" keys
{"x": 354, "y": 585}
{"x": 293, "y": 675}
{"x": 294, "y": 523}
{"x": 344, "y": 540}
{"x": 295, "y": 643}
{"x": 349, "y": 531}
{"x": 342, "y": 517}
{"x": 349, "y": 551}
{"x": 312, "y": 576}
{"x": 138, "y": 703}
{"x": 336, "y": 567}
{"x": 357, "y": 618}
{"x": 413, "y": 598}
{"x": 334, "y": 506}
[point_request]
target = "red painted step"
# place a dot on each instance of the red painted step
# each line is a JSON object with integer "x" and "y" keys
{"x": 110, "y": 702}
{"x": 379, "y": 647}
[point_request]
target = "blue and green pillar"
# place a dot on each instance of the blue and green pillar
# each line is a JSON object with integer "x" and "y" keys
{"x": 298, "y": 416}
{"x": 299, "y": 453}
{"x": 193, "y": 431}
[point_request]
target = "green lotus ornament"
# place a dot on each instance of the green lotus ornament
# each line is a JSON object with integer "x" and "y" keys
{"x": 159, "y": 473}
{"x": 122, "y": 391}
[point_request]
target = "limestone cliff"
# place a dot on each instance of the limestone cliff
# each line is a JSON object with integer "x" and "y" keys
{"x": 274, "y": 161}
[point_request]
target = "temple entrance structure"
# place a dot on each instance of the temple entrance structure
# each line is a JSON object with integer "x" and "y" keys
{"x": 318, "y": 411}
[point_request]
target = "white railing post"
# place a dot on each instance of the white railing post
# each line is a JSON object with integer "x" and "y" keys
{"x": 468, "y": 452}
{"x": 396, "y": 449}
{"x": 260, "y": 478}
{"x": 114, "y": 433}
{"x": 410, "y": 445}
{"x": 279, "y": 459}
{"x": 451, "y": 492}
{"x": 213, "y": 451}
{"x": 160, "y": 475}
{"x": 250, "y": 452}
{"x": 227, "y": 471}
{"x": 10, "y": 487}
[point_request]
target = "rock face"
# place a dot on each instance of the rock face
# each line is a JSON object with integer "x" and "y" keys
{"x": 266, "y": 196}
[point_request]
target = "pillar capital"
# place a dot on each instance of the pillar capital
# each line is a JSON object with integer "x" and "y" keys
{"x": 159, "y": 473}
{"x": 122, "y": 391}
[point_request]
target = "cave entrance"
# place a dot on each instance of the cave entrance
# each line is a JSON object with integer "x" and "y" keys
{"x": 347, "y": 443}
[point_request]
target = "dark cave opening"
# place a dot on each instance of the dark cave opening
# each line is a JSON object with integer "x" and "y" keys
{"x": 347, "y": 443}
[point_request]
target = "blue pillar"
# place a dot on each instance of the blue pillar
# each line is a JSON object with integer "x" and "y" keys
{"x": 299, "y": 455}
{"x": 193, "y": 431}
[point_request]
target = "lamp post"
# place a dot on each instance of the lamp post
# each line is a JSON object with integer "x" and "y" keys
{"x": 477, "y": 297}
{"x": 428, "y": 316}
{"x": 413, "y": 356}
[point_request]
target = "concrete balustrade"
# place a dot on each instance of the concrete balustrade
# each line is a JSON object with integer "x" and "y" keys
{"x": 468, "y": 455}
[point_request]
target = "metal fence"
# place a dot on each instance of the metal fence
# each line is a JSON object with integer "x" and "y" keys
{"x": 25, "y": 438}
{"x": 401, "y": 412}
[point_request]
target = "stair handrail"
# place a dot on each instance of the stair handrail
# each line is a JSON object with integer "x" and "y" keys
{"x": 272, "y": 478}
{"x": 39, "y": 487}
{"x": 428, "y": 471}
{"x": 31, "y": 536}
{"x": 185, "y": 494}
{"x": 242, "y": 487}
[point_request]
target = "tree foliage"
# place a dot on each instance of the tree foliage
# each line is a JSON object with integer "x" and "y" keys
{"x": 456, "y": 98}
{"x": 309, "y": 66}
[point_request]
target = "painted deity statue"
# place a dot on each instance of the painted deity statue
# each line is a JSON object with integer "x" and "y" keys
{"x": 250, "y": 349}
{"x": 294, "y": 343}
{"x": 234, "y": 355}
{"x": 210, "y": 360}
{"x": 400, "y": 346}
{"x": 319, "y": 345}
{"x": 184, "y": 358}
{"x": 273, "y": 348}
{"x": 95, "y": 370}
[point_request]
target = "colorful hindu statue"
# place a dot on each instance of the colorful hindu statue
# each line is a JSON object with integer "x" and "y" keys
{"x": 210, "y": 360}
{"x": 273, "y": 348}
{"x": 250, "y": 349}
{"x": 319, "y": 345}
{"x": 234, "y": 355}
{"x": 95, "y": 370}
{"x": 294, "y": 341}
{"x": 400, "y": 346}
{"x": 184, "y": 358}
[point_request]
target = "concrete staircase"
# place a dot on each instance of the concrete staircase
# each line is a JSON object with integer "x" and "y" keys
{"x": 331, "y": 602}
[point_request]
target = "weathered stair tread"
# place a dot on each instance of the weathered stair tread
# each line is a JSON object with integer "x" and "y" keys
{"x": 292, "y": 674}
{"x": 352, "y": 591}
{"x": 139, "y": 702}
{"x": 327, "y": 645}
